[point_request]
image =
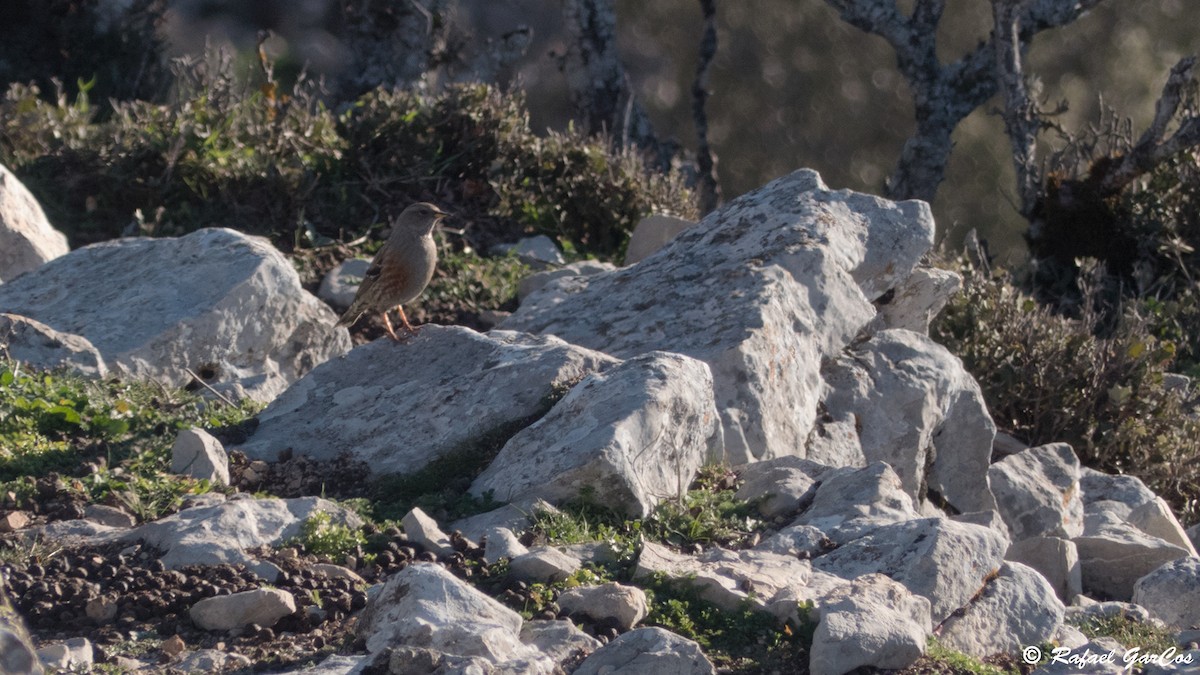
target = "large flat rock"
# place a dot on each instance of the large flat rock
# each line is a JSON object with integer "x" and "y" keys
{"x": 399, "y": 406}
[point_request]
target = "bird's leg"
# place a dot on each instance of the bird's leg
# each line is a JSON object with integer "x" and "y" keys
{"x": 387, "y": 323}
{"x": 404, "y": 319}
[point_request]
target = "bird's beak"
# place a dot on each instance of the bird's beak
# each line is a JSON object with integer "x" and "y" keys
{"x": 439, "y": 216}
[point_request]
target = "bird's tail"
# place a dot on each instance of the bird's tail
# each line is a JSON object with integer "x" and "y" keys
{"x": 349, "y": 317}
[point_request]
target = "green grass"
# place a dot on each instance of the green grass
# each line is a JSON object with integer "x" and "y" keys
{"x": 961, "y": 663}
{"x": 744, "y": 640}
{"x": 104, "y": 441}
{"x": 469, "y": 282}
{"x": 1129, "y": 632}
{"x": 708, "y": 513}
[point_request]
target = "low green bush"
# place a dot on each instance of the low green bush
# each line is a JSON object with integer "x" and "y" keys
{"x": 1048, "y": 378}
{"x": 224, "y": 152}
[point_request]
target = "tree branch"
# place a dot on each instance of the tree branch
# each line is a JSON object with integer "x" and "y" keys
{"x": 707, "y": 184}
{"x": 597, "y": 81}
{"x": 943, "y": 94}
{"x": 1151, "y": 149}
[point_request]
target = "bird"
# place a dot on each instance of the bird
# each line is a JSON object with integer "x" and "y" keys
{"x": 401, "y": 269}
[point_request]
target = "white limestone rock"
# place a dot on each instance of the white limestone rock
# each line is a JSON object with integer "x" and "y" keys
{"x": 212, "y": 535}
{"x": 515, "y": 516}
{"x": 17, "y": 654}
{"x": 989, "y": 519}
{"x": 1055, "y": 559}
{"x": 1156, "y": 519}
{"x": 424, "y": 530}
{"x": 560, "y": 641}
{"x": 262, "y": 607}
{"x": 1113, "y": 555}
{"x": 942, "y": 560}
{"x": 501, "y": 543}
{"x": 109, "y": 515}
{"x": 539, "y": 251}
{"x": 1171, "y": 593}
{"x": 424, "y": 605}
{"x": 198, "y": 454}
{"x": 728, "y": 579}
{"x": 1038, "y": 493}
{"x": 39, "y": 346}
{"x": 779, "y": 486}
{"x": 225, "y": 305}
{"x": 340, "y": 284}
{"x": 623, "y": 605}
{"x": 543, "y": 564}
{"x": 852, "y": 502}
{"x": 72, "y": 655}
{"x": 398, "y": 407}
{"x": 337, "y": 572}
{"x": 648, "y": 650}
{"x": 874, "y": 622}
{"x": 27, "y": 239}
{"x": 1098, "y": 486}
{"x": 539, "y": 280}
{"x": 762, "y": 290}
{"x": 786, "y": 604}
{"x": 919, "y": 298}
{"x": 634, "y": 434}
{"x": 834, "y": 442}
{"x": 211, "y": 661}
{"x": 1016, "y": 609}
{"x": 801, "y": 541}
{"x": 921, "y": 412}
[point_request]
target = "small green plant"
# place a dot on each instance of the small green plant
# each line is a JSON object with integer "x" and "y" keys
{"x": 1127, "y": 631}
{"x": 708, "y": 513}
{"x": 99, "y": 440}
{"x": 472, "y": 283}
{"x": 323, "y": 537}
{"x": 744, "y": 640}
{"x": 941, "y": 657}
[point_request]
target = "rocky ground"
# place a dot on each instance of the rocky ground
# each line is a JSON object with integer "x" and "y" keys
{"x": 743, "y": 453}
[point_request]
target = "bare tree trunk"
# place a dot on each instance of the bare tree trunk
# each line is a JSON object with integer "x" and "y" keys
{"x": 390, "y": 43}
{"x": 1021, "y": 120}
{"x": 706, "y": 182}
{"x": 597, "y": 80}
{"x": 943, "y": 94}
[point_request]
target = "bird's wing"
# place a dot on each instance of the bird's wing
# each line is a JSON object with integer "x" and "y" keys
{"x": 362, "y": 302}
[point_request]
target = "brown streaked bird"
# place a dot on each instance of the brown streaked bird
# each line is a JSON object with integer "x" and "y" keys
{"x": 401, "y": 269}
